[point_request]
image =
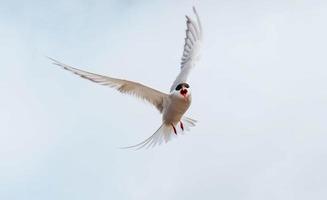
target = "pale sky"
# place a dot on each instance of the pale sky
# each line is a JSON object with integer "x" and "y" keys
{"x": 259, "y": 94}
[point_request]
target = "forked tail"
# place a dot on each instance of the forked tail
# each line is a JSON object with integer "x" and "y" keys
{"x": 165, "y": 133}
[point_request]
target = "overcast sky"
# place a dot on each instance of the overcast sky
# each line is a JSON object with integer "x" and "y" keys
{"x": 259, "y": 94}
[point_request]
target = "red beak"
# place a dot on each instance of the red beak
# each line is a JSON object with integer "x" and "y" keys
{"x": 184, "y": 92}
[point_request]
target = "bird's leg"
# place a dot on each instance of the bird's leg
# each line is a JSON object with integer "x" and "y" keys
{"x": 174, "y": 129}
{"x": 181, "y": 124}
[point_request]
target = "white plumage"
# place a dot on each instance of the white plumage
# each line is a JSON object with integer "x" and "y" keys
{"x": 173, "y": 105}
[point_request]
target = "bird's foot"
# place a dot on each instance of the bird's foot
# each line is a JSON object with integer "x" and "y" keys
{"x": 181, "y": 125}
{"x": 174, "y": 129}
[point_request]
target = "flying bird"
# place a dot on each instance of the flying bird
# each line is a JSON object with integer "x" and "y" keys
{"x": 172, "y": 106}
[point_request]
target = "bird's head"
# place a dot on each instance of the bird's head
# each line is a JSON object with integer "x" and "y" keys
{"x": 183, "y": 90}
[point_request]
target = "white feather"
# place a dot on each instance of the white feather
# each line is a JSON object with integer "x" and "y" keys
{"x": 191, "y": 50}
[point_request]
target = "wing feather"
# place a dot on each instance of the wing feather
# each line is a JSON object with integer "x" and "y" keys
{"x": 191, "y": 50}
{"x": 151, "y": 95}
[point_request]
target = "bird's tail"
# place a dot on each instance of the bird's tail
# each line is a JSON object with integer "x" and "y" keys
{"x": 165, "y": 133}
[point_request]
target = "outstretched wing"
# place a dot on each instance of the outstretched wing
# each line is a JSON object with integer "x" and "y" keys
{"x": 153, "y": 96}
{"x": 192, "y": 45}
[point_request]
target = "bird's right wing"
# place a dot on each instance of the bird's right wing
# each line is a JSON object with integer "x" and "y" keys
{"x": 153, "y": 96}
{"x": 191, "y": 50}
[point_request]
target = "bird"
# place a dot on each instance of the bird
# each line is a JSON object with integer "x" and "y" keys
{"x": 172, "y": 105}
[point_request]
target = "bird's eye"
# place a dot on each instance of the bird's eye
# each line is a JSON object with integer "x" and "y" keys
{"x": 179, "y": 86}
{"x": 186, "y": 85}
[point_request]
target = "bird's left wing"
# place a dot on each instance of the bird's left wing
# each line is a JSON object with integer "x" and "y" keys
{"x": 151, "y": 95}
{"x": 191, "y": 50}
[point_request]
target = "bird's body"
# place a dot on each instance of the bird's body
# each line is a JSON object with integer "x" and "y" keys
{"x": 175, "y": 109}
{"x": 173, "y": 105}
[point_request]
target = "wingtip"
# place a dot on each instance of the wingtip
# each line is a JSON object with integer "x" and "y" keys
{"x": 198, "y": 21}
{"x": 194, "y": 10}
{"x": 55, "y": 62}
{"x": 48, "y": 57}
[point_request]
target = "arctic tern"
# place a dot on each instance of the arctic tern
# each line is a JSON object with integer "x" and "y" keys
{"x": 172, "y": 106}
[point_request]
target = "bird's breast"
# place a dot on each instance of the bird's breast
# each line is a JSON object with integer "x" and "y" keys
{"x": 175, "y": 109}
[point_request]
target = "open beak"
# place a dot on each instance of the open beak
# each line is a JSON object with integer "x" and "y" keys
{"x": 184, "y": 93}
